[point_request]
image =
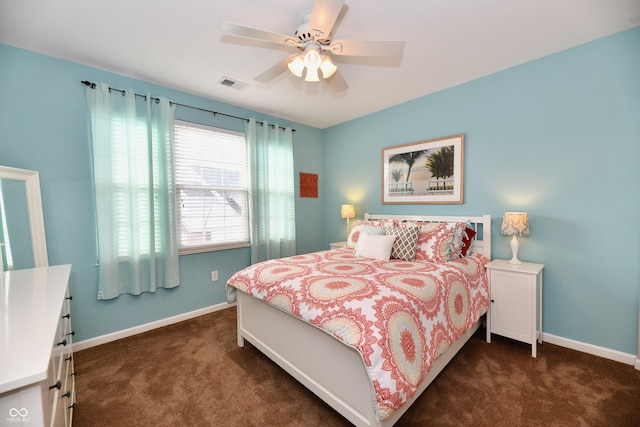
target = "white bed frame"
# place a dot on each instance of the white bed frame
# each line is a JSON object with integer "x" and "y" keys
{"x": 325, "y": 365}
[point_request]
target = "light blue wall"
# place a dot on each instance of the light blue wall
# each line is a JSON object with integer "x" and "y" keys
{"x": 559, "y": 138}
{"x": 44, "y": 127}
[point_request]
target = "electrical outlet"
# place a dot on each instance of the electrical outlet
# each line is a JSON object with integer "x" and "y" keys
{"x": 214, "y": 276}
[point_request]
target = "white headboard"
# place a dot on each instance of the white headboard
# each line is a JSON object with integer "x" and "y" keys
{"x": 481, "y": 224}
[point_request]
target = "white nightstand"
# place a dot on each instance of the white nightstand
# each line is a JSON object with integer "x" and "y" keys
{"x": 337, "y": 245}
{"x": 516, "y": 301}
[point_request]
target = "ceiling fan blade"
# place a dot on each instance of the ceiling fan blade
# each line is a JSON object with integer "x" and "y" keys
{"x": 254, "y": 33}
{"x": 323, "y": 16}
{"x": 337, "y": 83}
{"x": 366, "y": 48}
{"x": 274, "y": 71}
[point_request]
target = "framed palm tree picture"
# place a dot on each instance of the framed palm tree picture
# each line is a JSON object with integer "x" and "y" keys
{"x": 429, "y": 171}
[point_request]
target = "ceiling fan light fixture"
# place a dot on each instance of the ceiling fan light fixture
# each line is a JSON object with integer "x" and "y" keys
{"x": 296, "y": 66}
{"x": 312, "y": 59}
{"x": 312, "y": 75}
{"x": 327, "y": 67}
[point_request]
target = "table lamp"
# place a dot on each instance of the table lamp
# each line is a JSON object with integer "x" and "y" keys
{"x": 515, "y": 224}
{"x": 348, "y": 212}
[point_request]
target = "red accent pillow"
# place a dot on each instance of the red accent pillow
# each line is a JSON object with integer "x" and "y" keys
{"x": 466, "y": 240}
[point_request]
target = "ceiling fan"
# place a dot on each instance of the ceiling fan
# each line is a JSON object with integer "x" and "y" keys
{"x": 314, "y": 40}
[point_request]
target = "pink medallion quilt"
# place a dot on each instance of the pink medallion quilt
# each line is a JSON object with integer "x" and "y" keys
{"x": 399, "y": 315}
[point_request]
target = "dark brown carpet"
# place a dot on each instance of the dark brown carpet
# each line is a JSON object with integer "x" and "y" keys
{"x": 193, "y": 374}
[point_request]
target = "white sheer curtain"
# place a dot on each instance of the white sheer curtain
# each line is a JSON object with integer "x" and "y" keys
{"x": 272, "y": 194}
{"x": 134, "y": 183}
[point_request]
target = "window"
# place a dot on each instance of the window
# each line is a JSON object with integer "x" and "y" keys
{"x": 212, "y": 188}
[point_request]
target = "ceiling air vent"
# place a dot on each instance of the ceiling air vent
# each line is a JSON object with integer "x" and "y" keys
{"x": 226, "y": 81}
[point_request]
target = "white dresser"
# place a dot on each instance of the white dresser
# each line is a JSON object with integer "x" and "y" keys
{"x": 37, "y": 386}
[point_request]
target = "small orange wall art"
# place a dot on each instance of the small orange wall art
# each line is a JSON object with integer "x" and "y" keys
{"x": 308, "y": 185}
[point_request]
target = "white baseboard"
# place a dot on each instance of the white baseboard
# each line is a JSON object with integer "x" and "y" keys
{"x": 103, "y": 339}
{"x": 607, "y": 353}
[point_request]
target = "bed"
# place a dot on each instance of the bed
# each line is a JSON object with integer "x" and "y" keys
{"x": 340, "y": 363}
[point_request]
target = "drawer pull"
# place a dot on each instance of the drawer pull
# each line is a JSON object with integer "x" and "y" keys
{"x": 56, "y": 385}
{"x": 63, "y": 342}
{"x": 70, "y": 297}
{"x": 73, "y": 405}
{"x": 492, "y": 301}
{"x": 72, "y": 333}
{"x": 67, "y": 394}
{"x": 67, "y": 316}
{"x": 68, "y": 358}
{"x": 73, "y": 374}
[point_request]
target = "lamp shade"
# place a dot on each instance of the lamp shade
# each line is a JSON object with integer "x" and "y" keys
{"x": 296, "y": 66}
{"x": 515, "y": 224}
{"x": 312, "y": 62}
{"x": 327, "y": 67}
{"x": 347, "y": 211}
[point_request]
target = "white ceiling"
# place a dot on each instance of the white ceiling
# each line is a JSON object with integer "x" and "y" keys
{"x": 177, "y": 44}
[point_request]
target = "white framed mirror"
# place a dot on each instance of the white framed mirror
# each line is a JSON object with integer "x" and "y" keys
{"x": 23, "y": 242}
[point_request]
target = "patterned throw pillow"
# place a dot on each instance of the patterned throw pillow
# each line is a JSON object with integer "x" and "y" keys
{"x": 404, "y": 247}
{"x": 438, "y": 242}
{"x": 368, "y": 227}
{"x": 457, "y": 243}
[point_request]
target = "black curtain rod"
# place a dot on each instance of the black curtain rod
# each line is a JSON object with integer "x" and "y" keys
{"x": 93, "y": 86}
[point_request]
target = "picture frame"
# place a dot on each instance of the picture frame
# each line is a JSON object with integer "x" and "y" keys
{"x": 409, "y": 172}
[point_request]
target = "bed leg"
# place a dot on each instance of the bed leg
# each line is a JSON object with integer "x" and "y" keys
{"x": 239, "y": 326}
{"x": 487, "y": 322}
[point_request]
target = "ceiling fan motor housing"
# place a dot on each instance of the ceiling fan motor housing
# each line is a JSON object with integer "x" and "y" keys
{"x": 303, "y": 32}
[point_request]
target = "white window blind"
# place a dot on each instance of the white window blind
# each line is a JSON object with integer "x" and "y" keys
{"x": 212, "y": 188}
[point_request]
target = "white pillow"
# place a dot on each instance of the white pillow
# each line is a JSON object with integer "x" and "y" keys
{"x": 375, "y": 246}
